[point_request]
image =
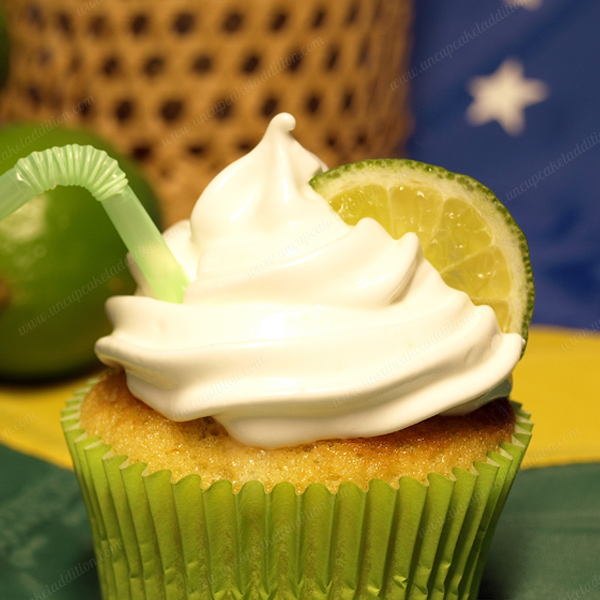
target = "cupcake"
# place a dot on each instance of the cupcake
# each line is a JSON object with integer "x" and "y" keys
{"x": 322, "y": 417}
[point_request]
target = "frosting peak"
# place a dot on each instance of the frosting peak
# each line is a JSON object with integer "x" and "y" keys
{"x": 297, "y": 327}
{"x": 247, "y": 202}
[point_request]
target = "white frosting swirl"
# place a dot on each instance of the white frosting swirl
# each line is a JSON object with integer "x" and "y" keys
{"x": 297, "y": 327}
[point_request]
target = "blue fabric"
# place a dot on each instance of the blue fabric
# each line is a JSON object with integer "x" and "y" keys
{"x": 559, "y": 44}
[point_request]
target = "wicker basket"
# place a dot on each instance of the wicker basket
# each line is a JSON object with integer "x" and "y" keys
{"x": 185, "y": 86}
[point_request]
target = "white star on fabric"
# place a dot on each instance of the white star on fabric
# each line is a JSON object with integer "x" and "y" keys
{"x": 528, "y": 4}
{"x": 503, "y": 97}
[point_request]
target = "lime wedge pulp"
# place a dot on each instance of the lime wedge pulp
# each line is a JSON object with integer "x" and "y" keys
{"x": 467, "y": 234}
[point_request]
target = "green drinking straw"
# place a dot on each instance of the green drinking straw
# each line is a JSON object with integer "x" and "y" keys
{"x": 100, "y": 174}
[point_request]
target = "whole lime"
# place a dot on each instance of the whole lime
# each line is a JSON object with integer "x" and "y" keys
{"x": 60, "y": 259}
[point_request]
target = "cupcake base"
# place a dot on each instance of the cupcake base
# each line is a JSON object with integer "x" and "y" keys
{"x": 155, "y": 539}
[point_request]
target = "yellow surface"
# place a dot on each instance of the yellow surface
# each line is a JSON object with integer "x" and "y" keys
{"x": 556, "y": 381}
{"x": 30, "y": 419}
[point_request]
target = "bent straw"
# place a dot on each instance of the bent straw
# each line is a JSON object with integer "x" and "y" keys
{"x": 100, "y": 174}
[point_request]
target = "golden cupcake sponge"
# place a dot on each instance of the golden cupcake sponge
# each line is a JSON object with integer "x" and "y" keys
{"x": 202, "y": 446}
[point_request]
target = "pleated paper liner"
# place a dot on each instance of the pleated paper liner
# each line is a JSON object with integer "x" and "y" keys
{"x": 155, "y": 539}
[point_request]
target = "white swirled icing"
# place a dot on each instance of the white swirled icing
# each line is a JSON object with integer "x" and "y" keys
{"x": 297, "y": 327}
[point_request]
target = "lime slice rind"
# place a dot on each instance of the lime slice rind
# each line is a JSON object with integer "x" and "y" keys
{"x": 394, "y": 174}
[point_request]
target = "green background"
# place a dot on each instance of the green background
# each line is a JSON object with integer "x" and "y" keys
{"x": 547, "y": 545}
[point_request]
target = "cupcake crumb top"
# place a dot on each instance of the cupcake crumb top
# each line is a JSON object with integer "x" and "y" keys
{"x": 203, "y": 446}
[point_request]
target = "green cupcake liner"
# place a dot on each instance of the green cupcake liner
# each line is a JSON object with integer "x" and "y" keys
{"x": 155, "y": 539}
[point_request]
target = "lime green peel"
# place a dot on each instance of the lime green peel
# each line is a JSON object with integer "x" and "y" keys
{"x": 100, "y": 174}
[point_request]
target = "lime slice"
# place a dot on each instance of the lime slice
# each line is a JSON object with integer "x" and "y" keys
{"x": 467, "y": 234}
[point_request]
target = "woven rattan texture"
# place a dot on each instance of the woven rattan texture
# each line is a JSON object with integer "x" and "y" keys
{"x": 185, "y": 87}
